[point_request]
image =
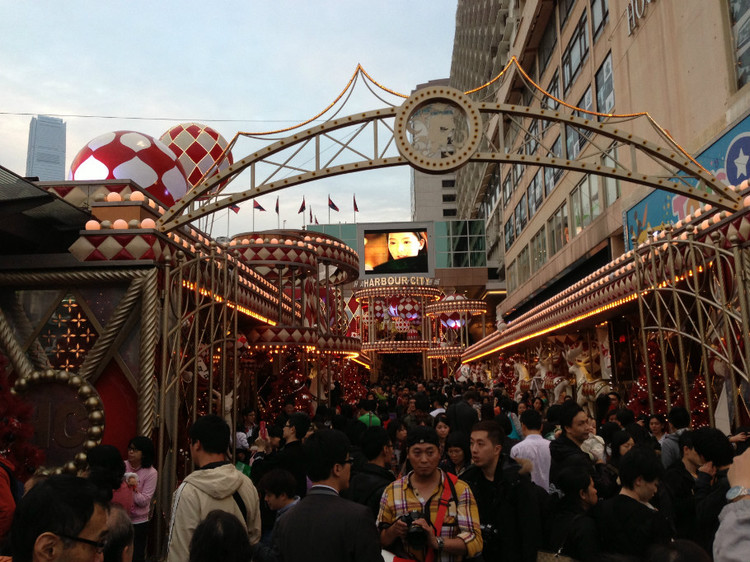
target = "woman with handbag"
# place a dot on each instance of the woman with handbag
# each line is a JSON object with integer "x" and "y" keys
{"x": 573, "y": 534}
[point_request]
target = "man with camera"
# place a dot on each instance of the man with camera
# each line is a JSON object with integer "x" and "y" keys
{"x": 509, "y": 504}
{"x": 427, "y": 515}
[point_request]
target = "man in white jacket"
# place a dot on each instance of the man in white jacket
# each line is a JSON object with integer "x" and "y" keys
{"x": 215, "y": 484}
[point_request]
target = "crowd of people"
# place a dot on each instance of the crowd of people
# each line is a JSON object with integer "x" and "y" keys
{"x": 436, "y": 471}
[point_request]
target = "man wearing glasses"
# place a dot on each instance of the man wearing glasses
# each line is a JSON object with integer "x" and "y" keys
{"x": 325, "y": 527}
{"x": 62, "y": 519}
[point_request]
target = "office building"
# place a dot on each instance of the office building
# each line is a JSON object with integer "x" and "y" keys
{"x": 45, "y": 157}
{"x": 685, "y": 63}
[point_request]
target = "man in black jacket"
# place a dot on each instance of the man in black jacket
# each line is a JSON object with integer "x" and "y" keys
{"x": 324, "y": 527}
{"x": 368, "y": 483}
{"x": 461, "y": 415}
{"x": 628, "y": 524}
{"x": 508, "y": 502}
{"x": 290, "y": 456}
{"x": 712, "y": 483}
{"x": 566, "y": 449}
{"x": 679, "y": 485}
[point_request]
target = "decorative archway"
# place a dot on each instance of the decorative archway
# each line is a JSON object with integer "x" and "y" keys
{"x": 439, "y": 129}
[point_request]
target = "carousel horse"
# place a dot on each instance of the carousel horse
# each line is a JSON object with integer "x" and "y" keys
{"x": 589, "y": 387}
{"x": 551, "y": 379}
{"x": 526, "y": 383}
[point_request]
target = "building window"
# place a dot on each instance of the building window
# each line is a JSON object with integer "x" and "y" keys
{"x": 605, "y": 87}
{"x": 449, "y": 183}
{"x": 523, "y": 265}
{"x": 611, "y": 186}
{"x": 575, "y": 139}
{"x": 511, "y": 277}
{"x": 553, "y": 175}
{"x": 599, "y": 16}
{"x": 517, "y": 174}
{"x": 557, "y": 228}
{"x": 575, "y": 54}
{"x": 565, "y": 6}
{"x": 553, "y": 89}
{"x": 449, "y": 197}
{"x": 510, "y": 234}
{"x": 520, "y": 215}
{"x": 534, "y": 194}
{"x": 586, "y": 204}
{"x": 507, "y": 188}
{"x": 538, "y": 250}
{"x": 740, "y": 14}
{"x": 547, "y": 45}
{"x": 532, "y": 141}
{"x": 449, "y": 212}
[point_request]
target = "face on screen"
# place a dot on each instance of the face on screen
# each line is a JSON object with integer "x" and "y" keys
{"x": 404, "y": 244}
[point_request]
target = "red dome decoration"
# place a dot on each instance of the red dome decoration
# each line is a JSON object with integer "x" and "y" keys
{"x": 130, "y": 155}
{"x": 407, "y": 308}
{"x": 198, "y": 147}
{"x": 452, "y": 320}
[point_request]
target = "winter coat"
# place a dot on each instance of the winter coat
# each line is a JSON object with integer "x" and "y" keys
{"x": 366, "y": 487}
{"x": 627, "y": 526}
{"x": 211, "y": 487}
{"x": 509, "y": 511}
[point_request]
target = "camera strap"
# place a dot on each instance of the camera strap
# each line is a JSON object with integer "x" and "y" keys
{"x": 443, "y": 502}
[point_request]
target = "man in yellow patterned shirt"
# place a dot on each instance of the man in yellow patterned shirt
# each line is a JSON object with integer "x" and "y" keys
{"x": 409, "y": 508}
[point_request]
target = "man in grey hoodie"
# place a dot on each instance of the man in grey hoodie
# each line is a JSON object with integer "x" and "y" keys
{"x": 679, "y": 422}
{"x": 215, "y": 484}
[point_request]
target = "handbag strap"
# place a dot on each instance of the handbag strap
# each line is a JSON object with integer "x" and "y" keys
{"x": 442, "y": 507}
{"x": 567, "y": 534}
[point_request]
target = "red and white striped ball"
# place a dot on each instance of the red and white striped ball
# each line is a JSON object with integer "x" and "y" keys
{"x": 130, "y": 155}
{"x": 198, "y": 147}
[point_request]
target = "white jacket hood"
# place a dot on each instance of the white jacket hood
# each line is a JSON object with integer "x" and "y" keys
{"x": 219, "y": 483}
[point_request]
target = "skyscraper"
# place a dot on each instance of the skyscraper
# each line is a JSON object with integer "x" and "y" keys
{"x": 45, "y": 157}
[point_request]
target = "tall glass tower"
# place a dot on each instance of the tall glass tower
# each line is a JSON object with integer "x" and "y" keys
{"x": 45, "y": 157}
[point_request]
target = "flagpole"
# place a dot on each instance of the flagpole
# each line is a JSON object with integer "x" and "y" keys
{"x": 354, "y": 211}
{"x": 303, "y": 214}
{"x": 329, "y": 208}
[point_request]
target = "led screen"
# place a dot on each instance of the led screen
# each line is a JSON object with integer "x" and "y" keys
{"x": 396, "y": 250}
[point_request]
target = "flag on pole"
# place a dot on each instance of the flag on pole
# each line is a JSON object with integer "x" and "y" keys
{"x": 302, "y": 207}
{"x": 311, "y": 215}
{"x": 257, "y": 205}
{"x": 316, "y": 219}
{"x": 332, "y": 205}
{"x": 354, "y": 200}
{"x": 277, "y": 204}
{"x": 235, "y": 208}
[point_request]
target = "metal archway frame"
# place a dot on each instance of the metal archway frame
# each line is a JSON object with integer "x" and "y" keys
{"x": 366, "y": 129}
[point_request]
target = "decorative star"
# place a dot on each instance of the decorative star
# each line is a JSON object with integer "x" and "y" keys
{"x": 741, "y": 164}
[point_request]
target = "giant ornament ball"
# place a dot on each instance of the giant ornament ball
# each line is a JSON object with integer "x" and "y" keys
{"x": 199, "y": 149}
{"x": 121, "y": 155}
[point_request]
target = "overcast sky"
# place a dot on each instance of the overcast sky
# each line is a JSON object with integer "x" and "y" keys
{"x": 236, "y": 66}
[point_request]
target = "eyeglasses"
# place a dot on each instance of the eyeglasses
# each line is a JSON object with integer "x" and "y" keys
{"x": 347, "y": 461}
{"x": 99, "y": 545}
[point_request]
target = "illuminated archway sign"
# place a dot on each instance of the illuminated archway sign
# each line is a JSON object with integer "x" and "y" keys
{"x": 437, "y": 130}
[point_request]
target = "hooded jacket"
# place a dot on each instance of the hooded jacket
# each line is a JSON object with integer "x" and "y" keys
{"x": 670, "y": 448}
{"x": 204, "y": 490}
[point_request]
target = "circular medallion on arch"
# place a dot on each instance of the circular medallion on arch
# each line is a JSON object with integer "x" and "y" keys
{"x": 437, "y": 129}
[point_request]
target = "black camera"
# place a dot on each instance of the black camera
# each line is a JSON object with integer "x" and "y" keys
{"x": 416, "y": 536}
{"x": 489, "y": 531}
